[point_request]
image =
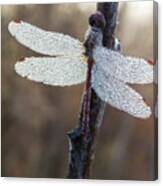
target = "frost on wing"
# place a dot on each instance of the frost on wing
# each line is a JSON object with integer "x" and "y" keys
{"x": 119, "y": 95}
{"x": 59, "y": 71}
{"x": 127, "y": 69}
{"x": 45, "y": 42}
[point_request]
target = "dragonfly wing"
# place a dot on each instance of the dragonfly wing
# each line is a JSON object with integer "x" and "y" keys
{"x": 119, "y": 95}
{"x": 45, "y": 42}
{"x": 127, "y": 69}
{"x": 59, "y": 71}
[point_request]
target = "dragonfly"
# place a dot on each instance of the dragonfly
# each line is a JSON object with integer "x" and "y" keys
{"x": 67, "y": 62}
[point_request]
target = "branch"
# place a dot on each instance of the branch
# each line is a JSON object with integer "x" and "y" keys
{"x": 81, "y": 152}
{"x": 109, "y": 11}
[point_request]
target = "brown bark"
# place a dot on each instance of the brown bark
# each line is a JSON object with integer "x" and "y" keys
{"x": 81, "y": 152}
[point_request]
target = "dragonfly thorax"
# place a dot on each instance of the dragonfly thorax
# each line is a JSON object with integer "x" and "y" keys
{"x": 94, "y": 36}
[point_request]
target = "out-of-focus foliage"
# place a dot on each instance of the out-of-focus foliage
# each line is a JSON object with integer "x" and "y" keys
{"x": 35, "y": 117}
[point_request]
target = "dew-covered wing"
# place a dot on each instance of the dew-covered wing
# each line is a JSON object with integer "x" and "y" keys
{"x": 59, "y": 71}
{"x": 127, "y": 69}
{"x": 119, "y": 95}
{"x": 45, "y": 42}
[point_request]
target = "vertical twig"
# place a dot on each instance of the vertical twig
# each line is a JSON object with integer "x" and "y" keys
{"x": 109, "y": 11}
{"x": 81, "y": 153}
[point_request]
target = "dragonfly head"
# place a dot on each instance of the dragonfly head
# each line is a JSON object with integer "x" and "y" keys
{"x": 94, "y": 34}
{"x": 97, "y": 21}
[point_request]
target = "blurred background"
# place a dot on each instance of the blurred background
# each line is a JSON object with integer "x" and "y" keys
{"x": 36, "y": 118}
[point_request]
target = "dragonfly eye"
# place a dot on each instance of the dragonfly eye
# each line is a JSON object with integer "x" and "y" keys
{"x": 97, "y": 20}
